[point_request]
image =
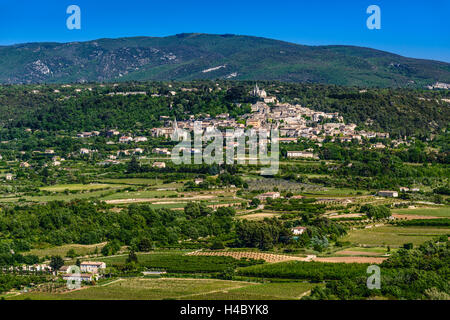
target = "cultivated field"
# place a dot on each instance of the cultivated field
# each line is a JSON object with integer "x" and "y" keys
{"x": 62, "y": 250}
{"x": 268, "y": 257}
{"x": 177, "y": 288}
{"x": 350, "y": 259}
{"x": 393, "y": 236}
{"x": 424, "y": 213}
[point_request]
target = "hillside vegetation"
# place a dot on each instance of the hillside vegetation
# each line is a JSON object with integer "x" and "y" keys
{"x": 206, "y": 56}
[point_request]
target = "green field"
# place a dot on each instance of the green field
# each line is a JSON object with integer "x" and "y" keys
{"x": 62, "y": 250}
{"x": 431, "y": 212}
{"x": 380, "y": 250}
{"x": 394, "y": 236}
{"x": 76, "y": 187}
{"x": 133, "y": 181}
{"x": 265, "y": 291}
{"x": 140, "y": 194}
{"x": 337, "y": 192}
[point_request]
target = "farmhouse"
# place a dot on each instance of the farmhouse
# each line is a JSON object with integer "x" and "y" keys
{"x": 24, "y": 165}
{"x": 267, "y": 195}
{"x": 254, "y": 123}
{"x": 140, "y": 139}
{"x": 388, "y": 194}
{"x": 298, "y": 230}
{"x": 111, "y": 133}
{"x": 287, "y": 140}
{"x": 125, "y": 139}
{"x": 86, "y": 277}
{"x": 300, "y": 154}
{"x": 163, "y": 151}
{"x": 198, "y": 181}
{"x": 159, "y": 165}
{"x": 92, "y": 266}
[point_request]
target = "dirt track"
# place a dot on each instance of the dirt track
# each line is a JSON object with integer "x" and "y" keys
{"x": 357, "y": 253}
{"x": 121, "y": 201}
{"x": 351, "y": 259}
{"x": 412, "y": 217}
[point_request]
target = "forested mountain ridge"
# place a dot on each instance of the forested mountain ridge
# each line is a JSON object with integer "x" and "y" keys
{"x": 205, "y": 56}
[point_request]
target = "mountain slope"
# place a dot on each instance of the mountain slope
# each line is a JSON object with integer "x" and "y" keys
{"x": 203, "y": 56}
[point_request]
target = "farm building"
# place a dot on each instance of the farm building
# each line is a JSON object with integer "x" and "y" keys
{"x": 298, "y": 230}
{"x": 86, "y": 277}
{"x": 92, "y": 266}
{"x": 388, "y": 194}
{"x": 301, "y": 154}
{"x": 267, "y": 195}
{"x": 159, "y": 165}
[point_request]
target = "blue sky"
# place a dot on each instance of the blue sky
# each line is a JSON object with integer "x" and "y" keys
{"x": 413, "y": 28}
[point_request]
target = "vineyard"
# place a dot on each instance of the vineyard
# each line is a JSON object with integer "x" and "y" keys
{"x": 442, "y": 222}
{"x": 177, "y": 263}
{"x": 314, "y": 271}
{"x": 268, "y": 257}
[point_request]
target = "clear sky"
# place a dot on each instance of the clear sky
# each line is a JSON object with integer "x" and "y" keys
{"x": 413, "y": 28}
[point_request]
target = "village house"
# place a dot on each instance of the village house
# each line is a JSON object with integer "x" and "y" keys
{"x": 9, "y": 177}
{"x": 287, "y": 140}
{"x": 388, "y": 193}
{"x": 92, "y": 266}
{"x": 111, "y": 133}
{"x": 198, "y": 181}
{"x": 159, "y": 165}
{"x": 140, "y": 139}
{"x": 125, "y": 139}
{"x": 25, "y": 165}
{"x": 163, "y": 151}
{"x": 298, "y": 230}
{"x": 267, "y": 195}
{"x": 254, "y": 123}
{"x": 301, "y": 154}
{"x": 83, "y": 277}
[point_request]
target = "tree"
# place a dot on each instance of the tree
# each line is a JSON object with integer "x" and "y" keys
{"x": 217, "y": 245}
{"x": 255, "y": 202}
{"x": 71, "y": 253}
{"x": 56, "y": 262}
{"x": 145, "y": 245}
{"x": 133, "y": 166}
{"x": 132, "y": 257}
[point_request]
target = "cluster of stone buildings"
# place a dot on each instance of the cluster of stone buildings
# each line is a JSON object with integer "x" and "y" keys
{"x": 291, "y": 121}
{"x": 89, "y": 271}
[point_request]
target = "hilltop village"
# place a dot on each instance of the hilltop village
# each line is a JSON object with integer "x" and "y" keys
{"x": 292, "y": 121}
